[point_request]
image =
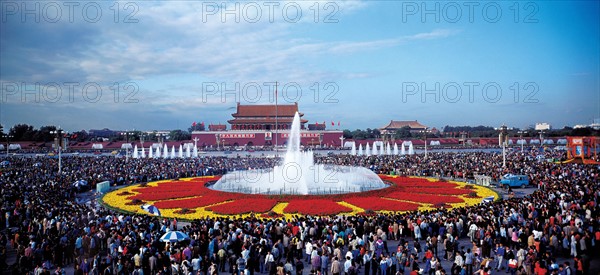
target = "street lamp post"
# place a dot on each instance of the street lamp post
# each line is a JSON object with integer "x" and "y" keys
{"x": 503, "y": 138}
{"x": 521, "y": 139}
{"x": 342, "y": 142}
{"x": 7, "y": 143}
{"x": 126, "y": 134}
{"x": 60, "y": 140}
{"x": 426, "y": 129}
{"x": 195, "y": 141}
{"x": 142, "y": 139}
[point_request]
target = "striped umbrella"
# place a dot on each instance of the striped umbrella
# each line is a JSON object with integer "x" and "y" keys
{"x": 488, "y": 199}
{"x": 174, "y": 236}
{"x": 151, "y": 209}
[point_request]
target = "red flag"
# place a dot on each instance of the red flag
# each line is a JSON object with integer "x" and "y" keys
{"x": 194, "y": 124}
{"x": 202, "y": 123}
{"x": 338, "y": 123}
{"x": 332, "y": 123}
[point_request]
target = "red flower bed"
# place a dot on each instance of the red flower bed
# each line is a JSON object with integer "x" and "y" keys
{"x": 441, "y": 191}
{"x": 165, "y": 195}
{"x": 191, "y": 194}
{"x": 377, "y": 204}
{"x": 418, "y": 183}
{"x": 316, "y": 207}
{"x": 243, "y": 206}
{"x": 191, "y": 202}
{"x": 173, "y": 190}
{"x": 424, "y": 198}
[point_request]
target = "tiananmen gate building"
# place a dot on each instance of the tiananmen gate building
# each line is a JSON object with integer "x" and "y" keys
{"x": 264, "y": 125}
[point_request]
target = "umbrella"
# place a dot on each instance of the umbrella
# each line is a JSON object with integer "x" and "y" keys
{"x": 4, "y": 163}
{"x": 174, "y": 236}
{"x": 151, "y": 209}
{"x": 80, "y": 183}
{"x": 488, "y": 199}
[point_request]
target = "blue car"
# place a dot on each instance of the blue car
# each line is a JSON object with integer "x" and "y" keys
{"x": 514, "y": 181}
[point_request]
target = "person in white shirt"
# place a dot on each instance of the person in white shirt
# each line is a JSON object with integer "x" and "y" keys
{"x": 347, "y": 264}
{"x": 458, "y": 260}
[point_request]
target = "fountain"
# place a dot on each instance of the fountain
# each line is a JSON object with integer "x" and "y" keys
{"x": 188, "y": 154}
{"x": 165, "y": 153}
{"x": 360, "y": 150}
{"x": 173, "y": 152}
{"x": 180, "y": 153}
{"x": 367, "y": 150}
{"x": 143, "y": 153}
{"x": 403, "y": 151}
{"x": 411, "y": 150}
{"x": 150, "y": 152}
{"x": 353, "y": 151}
{"x": 135, "y": 153}
{"x": 388, "y": 149}
{"x": 395, "y": 149}
{"x": 298, "y": 174}
{"x": 195, "y": 152}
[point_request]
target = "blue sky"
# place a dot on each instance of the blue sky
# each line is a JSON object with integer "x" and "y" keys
{"x": 165, "y": 64}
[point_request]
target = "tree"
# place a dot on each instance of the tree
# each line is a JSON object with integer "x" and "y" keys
{"x": 376, "y": 133}
{"x": 403, "y": 132}
{"x": 347, "y": 134}
{"x": 587, "y": 131}
{"x": 179, "y": 135}
{"x": 196, "y": 127}
{"x": 22, "y": 132}
{"x": 359, "y": 134}
{"x": 79, "y": 136}
{"x": 43, "y": 134}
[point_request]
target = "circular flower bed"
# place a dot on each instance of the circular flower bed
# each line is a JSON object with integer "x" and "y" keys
{"x": 191, "y": 199}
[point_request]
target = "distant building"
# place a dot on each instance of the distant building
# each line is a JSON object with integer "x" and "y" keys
{"x": 265, "y": 125}
{"x": 265, "y": 117}
{"x": 395, "y": 125}
{"x": 542, "y": 126}
{"x": 316, "y": 126}
{"x": 217, "y": 127}
{"x": 103, "y": 133}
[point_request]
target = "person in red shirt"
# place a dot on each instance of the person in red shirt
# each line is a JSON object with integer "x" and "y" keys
{"x": 578, "y": 265}
{"x": 540, "y": 269}
{"x": 428, "y": 254}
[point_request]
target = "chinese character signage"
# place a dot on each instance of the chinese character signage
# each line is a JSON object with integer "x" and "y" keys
{"x": 302, "y": 135}
{"x": 249, "y": 135}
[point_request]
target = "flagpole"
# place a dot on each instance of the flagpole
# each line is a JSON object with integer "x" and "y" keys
{"x": 276, "y": 119}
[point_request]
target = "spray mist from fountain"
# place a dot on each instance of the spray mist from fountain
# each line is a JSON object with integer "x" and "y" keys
{"x": 298, "y": 174}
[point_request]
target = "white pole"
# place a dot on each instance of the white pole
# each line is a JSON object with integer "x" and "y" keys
{"x": 59, "y": 158}
{"x": 425, "y": 142}
{"x": 503, "y": 154}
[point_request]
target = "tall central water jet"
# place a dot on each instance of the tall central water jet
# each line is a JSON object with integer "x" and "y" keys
{"x": 298, "y": 174}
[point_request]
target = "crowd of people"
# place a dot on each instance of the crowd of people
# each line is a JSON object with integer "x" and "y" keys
{"x": 48, "y": 228}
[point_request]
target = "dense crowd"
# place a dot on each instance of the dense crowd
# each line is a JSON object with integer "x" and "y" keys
{"x": 49, "y": 229}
